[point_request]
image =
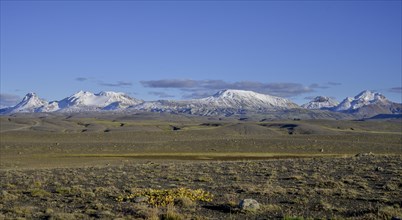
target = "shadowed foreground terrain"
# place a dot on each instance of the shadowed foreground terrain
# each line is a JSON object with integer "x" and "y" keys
{"x": 81, "y": 167}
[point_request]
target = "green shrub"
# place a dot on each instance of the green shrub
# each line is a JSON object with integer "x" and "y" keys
{"x": 164, "y": 197}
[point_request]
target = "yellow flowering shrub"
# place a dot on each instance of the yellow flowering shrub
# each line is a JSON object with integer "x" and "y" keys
{"x": 163, "y": 197}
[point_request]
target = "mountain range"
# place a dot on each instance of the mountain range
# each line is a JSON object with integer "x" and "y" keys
{"x": 225, "y": 102}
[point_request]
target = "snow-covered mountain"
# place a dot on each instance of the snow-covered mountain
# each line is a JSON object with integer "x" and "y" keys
{"x": 321, "y": 102}
{"x": 30, "y": 103}
{"x": 87, "y": 101}
{"x": 362, "y": 99}
{"x": 368, "y": 104}
{"x": 241, "y": 99}
{"x": 79, "y": 102}
{"x": 223, "y": 102}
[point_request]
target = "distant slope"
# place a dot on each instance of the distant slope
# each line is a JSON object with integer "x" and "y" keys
{"x": 387, "y": 116}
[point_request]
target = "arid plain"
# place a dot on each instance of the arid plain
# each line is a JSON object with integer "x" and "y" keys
{"x": 91, "y": 166}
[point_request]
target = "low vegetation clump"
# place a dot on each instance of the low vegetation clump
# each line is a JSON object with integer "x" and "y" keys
{"x": 164, "y": 197}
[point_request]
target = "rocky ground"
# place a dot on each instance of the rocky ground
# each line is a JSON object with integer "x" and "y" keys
{"x": 359, "y": 187}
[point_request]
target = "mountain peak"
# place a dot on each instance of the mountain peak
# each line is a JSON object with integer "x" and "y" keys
{"x": 31, "y": 97}
{"x": 321, "y": 99}
{"x": 233, "y": 91}
{"x": 364, "y": 98}
{"x": 321, "y": 102}
{"x": 29, "y": 103}
{"x": 241, "y": 99}
{"x": 368, "y": 95}
{"x": 109, "y": 93}
{"x": 81, "y": 93}
{"x": 31, "y": 94}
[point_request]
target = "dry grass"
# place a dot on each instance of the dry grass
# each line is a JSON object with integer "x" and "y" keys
{"x": 306, "y": 189}
{"x": 69, "y": 174}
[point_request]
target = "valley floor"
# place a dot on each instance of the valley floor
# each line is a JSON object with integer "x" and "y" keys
{"x": 56, "y": 167}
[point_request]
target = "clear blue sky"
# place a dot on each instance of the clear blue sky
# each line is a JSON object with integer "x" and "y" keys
{"x": 175, "y": 49}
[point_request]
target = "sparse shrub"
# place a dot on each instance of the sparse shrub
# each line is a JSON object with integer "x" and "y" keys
{"x": 39, "y": 193}
{"x": 296, "y": 177}
{"x": 236, "y": 178}
{"x": 104, "y": 214}
{"x": 90, "y": 211}
{"x": 63, "y": 190}
{"x": 6, "y": 196}
{"x": 184, "y": 202}
{"x": 153, "y": 214}
{"x": 89, "y": 194}
{"x": 23, "y": 210}
{"x": 77, "y": 190}
{"x": 323, "y": 205}
{"x": 62, "y": 216}
{"x": 37, "y": 184}
{"x": 271, "y": 208}
{"x": 207, "y": 179}
{"x": 292, "y": 218}
{"x": 230, "y": 199}
{"x": 171, "y": 214}
{"x": 391, "y": 186}
{"x": 49, "y": 211}
{"x": 174, "y": 178}
{"x": 9, "y": 186}
{"x": 98, "y": 205}
{"x": 146, "y": 212}
{"x": 300, "y": 200}
{"x": 388, "y": 212}
{"x": 272, "y": 190}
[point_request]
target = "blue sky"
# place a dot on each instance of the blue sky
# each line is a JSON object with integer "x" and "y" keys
{"x": 176, "y": 49}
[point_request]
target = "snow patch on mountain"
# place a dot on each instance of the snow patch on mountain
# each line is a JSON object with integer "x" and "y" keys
{"x": 117, "y": 106}
{"x": 50, "y": 107}
{"x": 321, "y": 102}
